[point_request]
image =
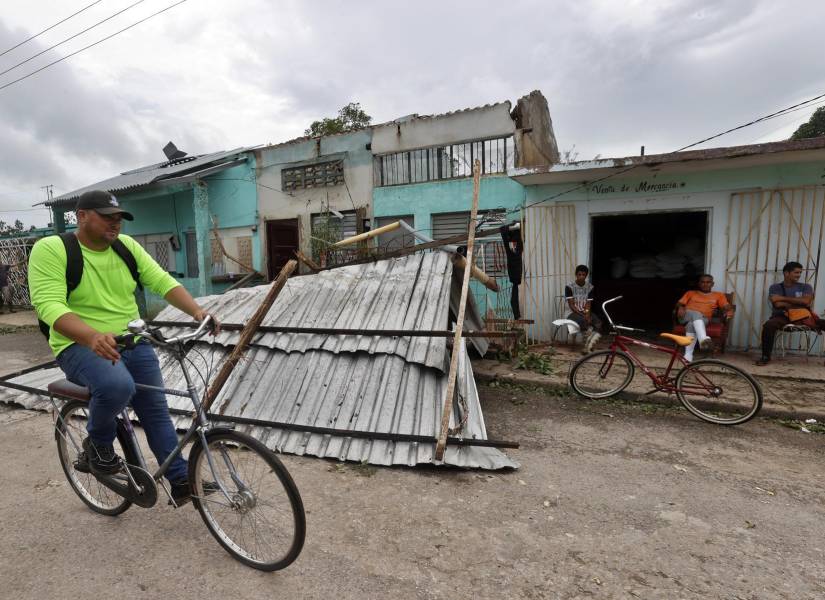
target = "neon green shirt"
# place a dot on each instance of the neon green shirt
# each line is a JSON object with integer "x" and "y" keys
{"x": 105, "y": 298}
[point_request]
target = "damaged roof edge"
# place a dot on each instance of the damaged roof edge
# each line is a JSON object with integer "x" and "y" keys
{"x": 651, "y": 160}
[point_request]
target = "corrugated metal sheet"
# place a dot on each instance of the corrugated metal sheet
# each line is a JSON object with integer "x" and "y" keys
{"x": 413, "y": 292}
{"x": 376, "y": 384}
{"x": 150, "y": 174}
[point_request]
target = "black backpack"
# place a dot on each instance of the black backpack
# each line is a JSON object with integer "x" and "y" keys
{"x": 74, "y": 267}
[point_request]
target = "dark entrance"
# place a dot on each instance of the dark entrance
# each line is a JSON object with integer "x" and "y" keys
{"x": 650, "y": 259}
{"x": 281, "y": 243}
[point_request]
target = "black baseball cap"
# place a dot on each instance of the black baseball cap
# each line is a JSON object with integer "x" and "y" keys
{"x": 101, "y": 202}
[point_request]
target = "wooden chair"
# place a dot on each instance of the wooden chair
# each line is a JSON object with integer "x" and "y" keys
{"x": 717, "y": 329}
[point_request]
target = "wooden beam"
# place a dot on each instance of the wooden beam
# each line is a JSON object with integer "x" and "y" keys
{"x": 250, "y": 328}
{"x": 307, "y": 261}
{"x": 450, "y": 241}
{"x": 477, "y": 274}
{"x": 243, "y": 280}
{"x": 367, "y": 235}
{"x": 441, "y": 445}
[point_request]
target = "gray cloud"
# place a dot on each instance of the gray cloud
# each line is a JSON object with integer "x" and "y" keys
{"x": 616, "y": 74}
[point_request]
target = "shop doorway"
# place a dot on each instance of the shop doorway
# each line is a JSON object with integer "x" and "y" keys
{"x": 650, "y": 259}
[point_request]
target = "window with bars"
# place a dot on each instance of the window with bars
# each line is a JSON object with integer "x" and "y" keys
{"x": 444, "y": 162}
{"x": 323, "y": 174}
{"x": 159, "y": 247}
{"x": 338, "y": 228}
{"x": 488, "y": 254}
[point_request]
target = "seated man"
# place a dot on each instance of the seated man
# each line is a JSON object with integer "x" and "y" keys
{"x": 579, "y": 296}
{"x": 695, "y": 309}
{"x": 788, "y": 294}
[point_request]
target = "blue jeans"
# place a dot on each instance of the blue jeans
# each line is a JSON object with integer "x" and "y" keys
{"x": 112, "y": 387}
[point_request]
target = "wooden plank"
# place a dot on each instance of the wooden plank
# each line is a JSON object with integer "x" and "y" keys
{"x": 456, "y": 239}
{"x": 307, "y": 260}
{"x": 367, "y": 235}
{"x": 489, "y": 282}
{"x": 248, "y": 331}
{"x": 459, "y": 325}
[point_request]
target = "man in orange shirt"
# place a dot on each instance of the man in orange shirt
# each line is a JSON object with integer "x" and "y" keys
{"x": 694, "y": 310}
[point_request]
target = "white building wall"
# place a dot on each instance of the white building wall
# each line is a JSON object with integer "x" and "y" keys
{"x": 450, "y": 128}
{"x": 275, "y": 203}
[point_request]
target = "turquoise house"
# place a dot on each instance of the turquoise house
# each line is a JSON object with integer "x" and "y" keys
{"x": 649, "y": 225}
{"x": 182, "y": 208}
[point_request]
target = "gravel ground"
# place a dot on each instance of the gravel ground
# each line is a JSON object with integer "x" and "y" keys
{"x": 645, "y": 503}
{"x": 613, "y": 500}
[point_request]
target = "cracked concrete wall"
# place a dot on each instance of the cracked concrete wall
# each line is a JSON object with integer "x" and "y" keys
{"x": 535, "y": 140}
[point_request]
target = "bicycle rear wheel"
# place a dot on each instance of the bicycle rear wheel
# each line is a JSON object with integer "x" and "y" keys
{"x": 262, "y": 523}
{"x": 718, "y": 392}
{"x": 70, "y": 431}
{"x": 601, "y": 374}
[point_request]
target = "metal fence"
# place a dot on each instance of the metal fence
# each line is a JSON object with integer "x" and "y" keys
{"x": 15, "y": 252}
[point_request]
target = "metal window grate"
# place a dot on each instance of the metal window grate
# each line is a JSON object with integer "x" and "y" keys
{"x": 444, "y": 162}
{"x": 245, "y": 251}
{"x": 323, "y": 174}
{"x": 160, "y": 252}
{"x": 489, "y": 255}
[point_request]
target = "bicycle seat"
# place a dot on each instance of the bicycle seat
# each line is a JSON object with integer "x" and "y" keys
{"x": 66, "y": 388}
{"x": 681, "y": 340}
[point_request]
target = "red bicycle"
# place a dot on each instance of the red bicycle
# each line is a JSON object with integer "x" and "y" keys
{"x": 713, "y": 390}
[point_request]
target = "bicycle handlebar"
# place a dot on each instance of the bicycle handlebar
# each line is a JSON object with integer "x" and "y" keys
{"x": 138, "y": 328}
{"x": 612, "y": 324}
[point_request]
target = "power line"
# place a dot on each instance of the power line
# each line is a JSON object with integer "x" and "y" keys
{"x": 108, "y": 37}
{"x": 109, "y": 18}
{"x": 28, "y": 39}
{"x": 760, "y": 119}
{"x": 805, "y": 104}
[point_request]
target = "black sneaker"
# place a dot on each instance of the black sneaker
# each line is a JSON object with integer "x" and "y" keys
{"x": 101, "y": 458}
{"x": 82, "y": 463}
{"x": 181, "y": 493}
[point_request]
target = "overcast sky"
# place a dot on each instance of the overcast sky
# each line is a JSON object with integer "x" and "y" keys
{"x": 214, "y": 75}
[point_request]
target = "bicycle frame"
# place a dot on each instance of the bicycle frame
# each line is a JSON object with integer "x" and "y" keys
{"x": 199, "y": 427}
{"x": 663, "y": 382}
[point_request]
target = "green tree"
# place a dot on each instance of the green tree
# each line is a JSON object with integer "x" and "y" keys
{"x": 350, "y": 118}
{"x": 18, "y": 227}
{"x": 815, "y": 126}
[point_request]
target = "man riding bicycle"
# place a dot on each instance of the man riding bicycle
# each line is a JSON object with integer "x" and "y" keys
{"x": 84, "y": 320}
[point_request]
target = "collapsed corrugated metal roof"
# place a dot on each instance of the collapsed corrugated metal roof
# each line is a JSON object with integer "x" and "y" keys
{"x": 362, "y": 383}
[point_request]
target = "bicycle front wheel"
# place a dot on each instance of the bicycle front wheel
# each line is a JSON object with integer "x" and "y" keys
{"x": 261, "y": 523}
{"x": 70, "y": 431}
{"x": 718, "y": 392}
{"x": 601, "y": 374}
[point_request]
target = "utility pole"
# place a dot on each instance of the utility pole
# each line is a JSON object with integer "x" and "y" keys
{"x": 58, "y": 216}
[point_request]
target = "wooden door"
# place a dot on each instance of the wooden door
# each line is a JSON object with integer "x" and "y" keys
{"x": 281, "y": 243}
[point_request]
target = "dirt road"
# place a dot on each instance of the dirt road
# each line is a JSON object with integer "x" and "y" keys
{"x": 612, "y": 501}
